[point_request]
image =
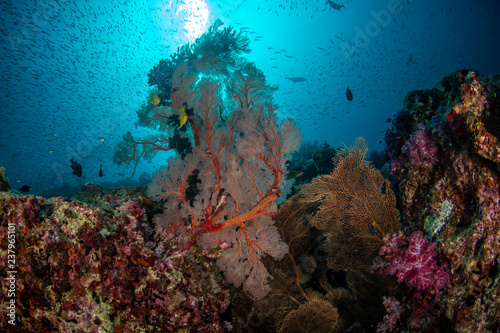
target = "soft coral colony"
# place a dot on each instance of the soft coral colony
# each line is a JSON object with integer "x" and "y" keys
{"x": 445, "y": 156}
{"x": 223, "y": 187}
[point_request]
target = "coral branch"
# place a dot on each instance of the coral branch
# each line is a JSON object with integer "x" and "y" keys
{"x": 240, "y": 218}
{"x": 131, "y": 150}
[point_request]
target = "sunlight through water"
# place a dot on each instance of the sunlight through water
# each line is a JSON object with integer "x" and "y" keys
{"x": 194, "y": 14}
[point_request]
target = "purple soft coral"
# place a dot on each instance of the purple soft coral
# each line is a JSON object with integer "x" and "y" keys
{"x": 420, "y": 148}
{"x": 394, "y": 311}
{"x": 413, "y": 260}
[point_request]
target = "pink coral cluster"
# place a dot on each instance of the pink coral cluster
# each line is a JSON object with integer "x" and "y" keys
{"x": 394, "y": 311}
{"x": 466, "y": 178}
{"x": 421, "y": 149}
{"x": 413, "y": 260}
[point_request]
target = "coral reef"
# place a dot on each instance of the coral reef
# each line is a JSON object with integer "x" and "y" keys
{"x": 444, "y": 150}
{"x": 81, "y": 268}
{"x": 207, "y": 231}
{"x": 442, "y": 269}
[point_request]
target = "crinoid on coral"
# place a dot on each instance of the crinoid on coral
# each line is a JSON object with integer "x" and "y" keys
{"x": 214, "y": 52}
{"x": 161, "y": 75}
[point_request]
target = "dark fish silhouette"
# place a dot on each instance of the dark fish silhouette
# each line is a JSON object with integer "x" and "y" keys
{"x": 100, "y": 171}
{"x": 410, "y": 60}
{"x": 25, "y": 189}
{"x": 294, "y": 174}
{"x": 296, "y": 79}
{"x": 77, "y": 168}
{"x": 348, "y": 94}
{"x": 335, "y": 5}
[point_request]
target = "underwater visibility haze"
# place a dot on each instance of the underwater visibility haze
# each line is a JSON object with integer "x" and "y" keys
{"x": 272, "y": 166}
{"x": 75, "y": 72}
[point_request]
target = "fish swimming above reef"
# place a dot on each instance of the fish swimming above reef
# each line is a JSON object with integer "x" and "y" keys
{"x": 296, "y": 79}
{"x": 100, "y": 171}
{"x": 183, "y": 117}
{"x": 155, "y": 100}
{"x": 24, "y": 189}
{"x": 348, "y": 94}
{"x": 410, "y": 60}
{"x": 335, "y": 5}
{"x": 77, "y": 168}
{"x": 294, "y": 174}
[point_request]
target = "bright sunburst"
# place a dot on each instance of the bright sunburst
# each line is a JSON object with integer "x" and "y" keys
{"x": 194, "y": 14}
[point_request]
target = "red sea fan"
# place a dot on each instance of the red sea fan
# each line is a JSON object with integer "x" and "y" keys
{"x": 240, "y": 164}
{"x": 223, "y": 191}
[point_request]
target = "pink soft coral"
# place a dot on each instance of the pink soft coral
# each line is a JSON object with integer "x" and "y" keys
{"x": 421, "y": 149}
{"x": 412, "y": 260}
{"x": 394, "y": 311}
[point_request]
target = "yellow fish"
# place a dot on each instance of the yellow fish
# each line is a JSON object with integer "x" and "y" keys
{"x": 155, "y": 100}
{"x": 183, "y": 117}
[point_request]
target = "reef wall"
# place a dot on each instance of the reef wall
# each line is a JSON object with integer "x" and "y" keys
{"x": 445, "y": 164}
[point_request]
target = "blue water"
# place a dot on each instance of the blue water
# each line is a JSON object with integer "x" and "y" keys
{"x": 76, "y": 71}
